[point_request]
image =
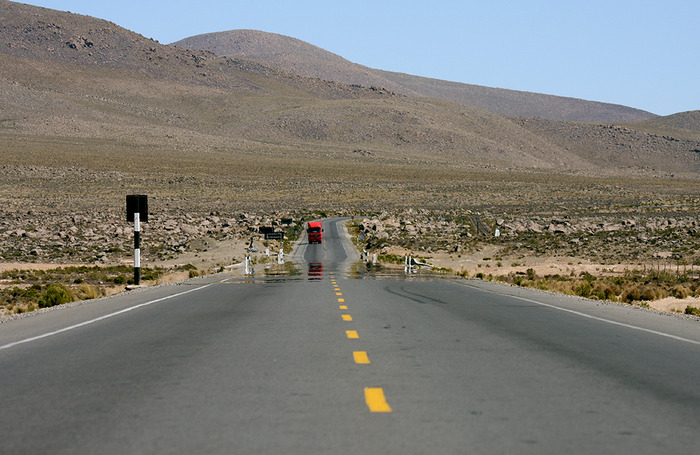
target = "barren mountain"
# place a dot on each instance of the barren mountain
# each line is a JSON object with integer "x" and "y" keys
{"x": 688, "y": 120}
{"x": 683, "y": 125}
{"x": 292, "y": 55}
{"x": 302, "y": 58}
{"x": 80, "y": 83}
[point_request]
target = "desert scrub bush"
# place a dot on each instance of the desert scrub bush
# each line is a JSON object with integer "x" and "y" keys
{"x": 631, "y": 293}
{"x": 680, "y": 292}
{"x": 563, "y": 287}
{"x": 652, "y": 292}
{"x": 118, "y": 279}
{"x": 583, "y": 289}
{"x": 391, "y": 258}
{"x": 605, "y": 291}
{"x": 55, "y": 294}
{"x": 692, "y": 310}
{"x": 149, "y": 274}
{"x": 88, "y": 292}
{"x": 531, "y": 275}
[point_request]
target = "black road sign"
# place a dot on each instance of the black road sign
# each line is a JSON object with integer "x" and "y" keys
{"x": 137, "y": 203}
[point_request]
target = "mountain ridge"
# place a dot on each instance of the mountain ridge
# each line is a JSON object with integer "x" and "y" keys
{"x": 302, "y": 58}
{"x": 67, "y": 78}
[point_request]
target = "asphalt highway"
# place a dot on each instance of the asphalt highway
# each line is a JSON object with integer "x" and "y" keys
{"x": 325, "y": 361}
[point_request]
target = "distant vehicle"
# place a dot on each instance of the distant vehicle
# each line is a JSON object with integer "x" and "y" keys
{"x": 314, "y": 230}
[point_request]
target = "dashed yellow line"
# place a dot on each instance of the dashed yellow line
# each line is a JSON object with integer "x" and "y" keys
{"x": 376, "y": 402}
{"x": 360, "y": 357}
{"x": 374, "y": 396}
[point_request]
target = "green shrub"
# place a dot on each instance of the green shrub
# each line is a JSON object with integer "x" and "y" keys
{"x": 692, "y": 310}
{"x": 588, "y": 277}
{"x": 584, "y": 289}
{"x": 605, "y": 291}
{"x": 55, "y": 294}
{"x": 119, "y": 279}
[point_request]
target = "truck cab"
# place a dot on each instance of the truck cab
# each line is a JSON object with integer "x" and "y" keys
{"x": 314, "y": 231}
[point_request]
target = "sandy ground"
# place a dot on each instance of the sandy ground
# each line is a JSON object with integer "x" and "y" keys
{"x": 475, "y": 263}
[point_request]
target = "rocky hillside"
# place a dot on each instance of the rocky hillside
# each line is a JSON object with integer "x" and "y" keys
{"x": 302, "y": 58}
{"x": 683, "y": 125}
{"x": 290, "y": 54}
{"x": 65, "y": 77}
{"x": 686, "y": 120}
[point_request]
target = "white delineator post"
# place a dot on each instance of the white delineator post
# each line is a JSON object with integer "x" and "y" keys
{"x": 137, "y": 250}
{"x": 248, "y": 268}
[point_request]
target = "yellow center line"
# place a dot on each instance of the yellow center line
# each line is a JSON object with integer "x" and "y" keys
{"x": 352, "y": 334}
{"x": 376, "y": 402}
{"x": 361, "y": 357}
{"x": 338, "y": 293}
{"x": 341, "y": 300}
{"x": 346, "y": 317}
{"x": 342, "y": 307}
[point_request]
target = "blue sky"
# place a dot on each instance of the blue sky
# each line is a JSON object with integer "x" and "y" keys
{"x": 643, "y": 54}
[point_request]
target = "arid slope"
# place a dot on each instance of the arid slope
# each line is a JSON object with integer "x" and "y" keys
{"x": 66, "y": 77}
{"x": 302, "y": 58}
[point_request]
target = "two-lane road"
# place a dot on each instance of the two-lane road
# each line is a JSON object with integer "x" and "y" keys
{"x": 328, "y": 363}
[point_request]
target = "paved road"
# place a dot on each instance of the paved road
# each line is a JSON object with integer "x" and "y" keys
{"x": 323, "y": 362}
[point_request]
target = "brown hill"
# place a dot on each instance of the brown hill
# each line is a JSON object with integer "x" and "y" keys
{"x": 75, "y": 87}
{"x": 302, "y": 58}
{"x": 683, "y": 125}
{"x": 687, "y": 120}
{"x": 290, "y": 54}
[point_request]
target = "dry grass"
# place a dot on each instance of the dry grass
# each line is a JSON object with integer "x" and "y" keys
{"x": 630, "y": 288}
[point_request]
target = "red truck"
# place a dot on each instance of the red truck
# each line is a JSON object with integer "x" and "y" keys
{"x": 314, "y": 230}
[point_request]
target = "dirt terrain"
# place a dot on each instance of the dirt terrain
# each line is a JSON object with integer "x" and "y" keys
{"x": 222, "y": 146}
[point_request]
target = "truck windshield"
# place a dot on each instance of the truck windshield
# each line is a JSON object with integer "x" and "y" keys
{"x": 315, "y": 229}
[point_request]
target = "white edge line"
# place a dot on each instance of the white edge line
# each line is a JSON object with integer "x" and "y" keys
{"x": 621, "y": 324}
{"x": 101, "y": 318}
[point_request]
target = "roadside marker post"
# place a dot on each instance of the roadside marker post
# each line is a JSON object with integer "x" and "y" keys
{"x": 137, "y": 211}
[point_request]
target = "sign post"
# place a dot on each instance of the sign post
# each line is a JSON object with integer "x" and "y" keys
{"x": 137, "y": 211}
